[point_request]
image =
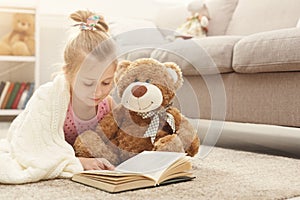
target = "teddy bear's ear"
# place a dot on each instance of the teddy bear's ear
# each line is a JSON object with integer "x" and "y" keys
{"x": 122, "y": 66}
{"x": 175, "y": 72}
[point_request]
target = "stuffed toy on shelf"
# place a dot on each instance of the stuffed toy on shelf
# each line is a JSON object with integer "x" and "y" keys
{"x": 196, "y": 25}
{"x": 20, "y": 40}
{"x": 145, "y": 119}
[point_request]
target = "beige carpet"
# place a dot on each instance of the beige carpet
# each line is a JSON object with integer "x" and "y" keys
{"x": 223, "y": 174}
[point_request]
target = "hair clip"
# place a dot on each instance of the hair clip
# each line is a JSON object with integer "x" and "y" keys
{"x": 90, "y": 23}
{"x": 92, "y": 20}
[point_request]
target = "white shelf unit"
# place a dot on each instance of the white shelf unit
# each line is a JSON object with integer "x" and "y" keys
{"x": 18, "y": 68}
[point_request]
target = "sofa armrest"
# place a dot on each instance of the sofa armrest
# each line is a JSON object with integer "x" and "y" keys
{"x": 271, "y": 51}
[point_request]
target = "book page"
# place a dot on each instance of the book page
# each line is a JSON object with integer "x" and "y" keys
{"x": 151, "y": 163}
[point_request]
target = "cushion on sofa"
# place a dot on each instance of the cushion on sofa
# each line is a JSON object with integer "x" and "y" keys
{"x": 186, "y": 53}
{"x": 268, "y": 52}
{"x": 220, "y": 12}
{"x": 135, "y": 31}
{"x": 171, "y": 17}
{"x": 253, "y": 16}
{"x": 209, "y": 55}
{"x": 220, "y": 49}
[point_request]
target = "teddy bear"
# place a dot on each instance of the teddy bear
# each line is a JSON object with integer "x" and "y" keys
{"x": 20, "y": 41}
{"x": 196, "y": 24}
{"x": 145, "y": 118}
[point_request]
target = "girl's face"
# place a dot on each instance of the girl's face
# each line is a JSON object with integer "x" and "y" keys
{"x": 89, "y": 88}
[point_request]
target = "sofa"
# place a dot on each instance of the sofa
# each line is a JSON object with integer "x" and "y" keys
{"x": 241, "y": 81}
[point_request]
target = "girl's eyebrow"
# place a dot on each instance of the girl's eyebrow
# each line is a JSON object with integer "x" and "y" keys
{"x": 89, "y": 79}
{"x": 111, "y": 77}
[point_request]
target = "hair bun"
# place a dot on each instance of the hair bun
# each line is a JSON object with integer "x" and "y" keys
{"x": 82, "y": 17}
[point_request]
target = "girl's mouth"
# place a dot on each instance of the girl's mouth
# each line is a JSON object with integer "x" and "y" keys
{"x": 96, "y": 99}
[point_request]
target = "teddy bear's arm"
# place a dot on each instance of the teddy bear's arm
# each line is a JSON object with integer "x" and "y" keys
{"x": 108, "y": 126}
{"x": 111, "y": 122}
{"x": 186, "y": 132}
{"x": 30, "y": 42}
{"x": 90, "y": 145}
{"x": 188, "y": 136}
{"x": 177, "y": 116}
{"x": 5, "y": 49}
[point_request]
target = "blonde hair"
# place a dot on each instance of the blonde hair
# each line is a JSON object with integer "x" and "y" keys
{"x": 86, "y": 42}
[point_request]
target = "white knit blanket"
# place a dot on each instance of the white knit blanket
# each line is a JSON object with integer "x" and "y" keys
{"x": 35, "y": 148}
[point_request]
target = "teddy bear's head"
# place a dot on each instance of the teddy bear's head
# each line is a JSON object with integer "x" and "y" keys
{"x": 147, "y": 84}
{"x": 23, "y": 23}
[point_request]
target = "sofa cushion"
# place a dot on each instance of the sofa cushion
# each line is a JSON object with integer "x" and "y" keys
{"x": 253, "y": 16}
{"x": 268, "y": 52}
{"x": 171, "y": 17}
{"x": 220, "y": 12}
{"x": 199, "y": 56}
{"x": 129, "y": 31}
{"x": 220, "y": 50}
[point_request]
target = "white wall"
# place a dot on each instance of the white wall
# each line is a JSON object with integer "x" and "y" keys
{"x": 54, "y": 22}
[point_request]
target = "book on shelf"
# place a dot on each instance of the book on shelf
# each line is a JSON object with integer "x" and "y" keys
{"x": 2, "y": 85}
{"x": 12, "y": 95}
{"x": 9, "y": 90}
{"x": 15, "y": 95}
{"x": 4, "y": 92}
{"x": 29, "y": 94}
{"x": 18, "y": 96}
{"x": 147, "y": 169}
{"x": 23, "y": 96}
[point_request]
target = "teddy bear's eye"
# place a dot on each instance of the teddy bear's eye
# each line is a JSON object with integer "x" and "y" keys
{"x": 136, "y": 80}
{"x": 148, "y": 81}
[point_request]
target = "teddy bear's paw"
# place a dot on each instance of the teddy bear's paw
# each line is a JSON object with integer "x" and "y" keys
{"x": 188, "y": 136}
{"x": 31, "y": 46}
{"x": 194, "y": 147}
{"x": 5, "y": 49}
{"x": 169, "y": 143}
{"x": 81, "y": 148}
{"x": 89, "y": 144}
{"x": 20, "y": 49}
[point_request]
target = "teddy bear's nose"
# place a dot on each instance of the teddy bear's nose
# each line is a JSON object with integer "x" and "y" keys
{"x": 138, "y": 90}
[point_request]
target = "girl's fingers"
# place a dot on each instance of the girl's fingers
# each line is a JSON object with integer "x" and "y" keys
{"x": 105, "y": 164}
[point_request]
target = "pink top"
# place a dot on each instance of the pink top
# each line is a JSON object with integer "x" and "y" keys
{"x": 74, "y": 126}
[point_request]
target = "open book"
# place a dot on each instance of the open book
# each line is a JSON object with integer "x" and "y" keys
{"x": 147, "y": 169}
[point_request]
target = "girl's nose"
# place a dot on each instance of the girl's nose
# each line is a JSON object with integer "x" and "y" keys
{"x": 97, "y": 92}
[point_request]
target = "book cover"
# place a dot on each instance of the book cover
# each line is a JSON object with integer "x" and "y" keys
{"x": 7, "y": 83}
{"x": 2, "y": 84}
{"x": 18, "y": 96}
{"x": 23, "y": 96}
{"x": 29, "y": 94}
{"x": 147, "y": 169}
{"x": 13, "y": 95}
{"x": 8, "y": 93}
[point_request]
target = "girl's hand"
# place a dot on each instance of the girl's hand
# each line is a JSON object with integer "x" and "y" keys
{"x": 96, "y": 164}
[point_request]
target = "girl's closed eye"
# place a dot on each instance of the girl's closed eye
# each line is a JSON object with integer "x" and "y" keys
{"x": 88, "y": 83}
{"x": 105, "y": 83}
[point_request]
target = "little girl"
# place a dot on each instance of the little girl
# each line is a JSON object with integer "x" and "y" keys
{"x": 40, "y": 139}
